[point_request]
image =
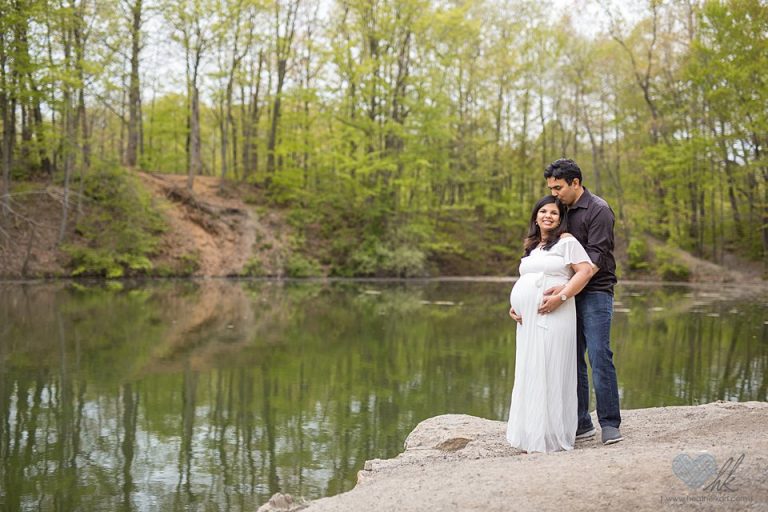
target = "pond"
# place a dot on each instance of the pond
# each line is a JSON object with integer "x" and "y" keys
{"x": 213, "y": 395}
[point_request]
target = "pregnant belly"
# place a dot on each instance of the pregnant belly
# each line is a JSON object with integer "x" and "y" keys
{"x": 530, "y": 287}
{"x": 523, "y": 291}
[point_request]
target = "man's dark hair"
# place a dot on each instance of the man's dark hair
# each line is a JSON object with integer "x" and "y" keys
{"x": 565, "y": 169}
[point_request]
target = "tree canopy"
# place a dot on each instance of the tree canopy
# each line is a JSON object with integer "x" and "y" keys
{"x": 410, "y": 134}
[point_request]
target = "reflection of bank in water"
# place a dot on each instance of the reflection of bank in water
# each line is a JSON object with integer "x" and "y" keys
{"x": 203, "y": 391}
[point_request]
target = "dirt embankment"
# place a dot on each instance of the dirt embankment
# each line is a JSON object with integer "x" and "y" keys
{"x": 211, "y": 230}
{"x": 212, "y": 227}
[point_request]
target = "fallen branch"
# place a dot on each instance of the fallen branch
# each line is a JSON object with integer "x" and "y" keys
{"x": 187, "y": 198}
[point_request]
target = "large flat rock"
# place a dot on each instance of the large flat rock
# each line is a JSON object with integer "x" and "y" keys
{"x": 459, "y": 462}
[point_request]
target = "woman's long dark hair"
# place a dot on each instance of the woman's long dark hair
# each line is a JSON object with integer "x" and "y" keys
{"x": 534, "y": 233}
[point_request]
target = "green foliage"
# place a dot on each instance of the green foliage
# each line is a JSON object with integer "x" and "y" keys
{"x": 119, "y": 229}
{"x": 365, "y": 260}
{"x": 189, "y": 263}
{"x": 104, "y": 263}
{"x": 254, "y": 268}
{"x": 185, "y": 265}
{"x": 637, "y": 254}
{"x": 405, "y": 261}
{"x": 377, "y": 259}
{"x": 298, "y": 265}
{"x": 286, "y": 188}
{"x": 669, "y": 266}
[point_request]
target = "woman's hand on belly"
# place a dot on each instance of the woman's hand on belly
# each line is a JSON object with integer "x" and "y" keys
{"x": 517, "y": 318}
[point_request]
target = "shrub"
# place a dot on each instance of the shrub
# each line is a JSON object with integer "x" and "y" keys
{"x": 376, "y": 259}
{"x": 253, "y": 268}
{"x": 369, "y": 258}
{"x": 189, "y": 263}
{"x": 299, "y": 266}
{"x": 119, "y": 229}
{"x": 670, "y": 267}
{"x": 637, "y": 254}
{"x": 405, "y": 261}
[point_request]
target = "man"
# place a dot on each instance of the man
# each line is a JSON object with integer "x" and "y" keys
{"x": 590, "y": 220}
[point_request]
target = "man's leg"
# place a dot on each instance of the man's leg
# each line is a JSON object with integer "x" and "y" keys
{"x": 582, "y": 383}
{"x": 595, "y": 313}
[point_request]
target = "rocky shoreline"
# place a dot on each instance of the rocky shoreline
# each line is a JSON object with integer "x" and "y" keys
{"x": 705, "y": 457}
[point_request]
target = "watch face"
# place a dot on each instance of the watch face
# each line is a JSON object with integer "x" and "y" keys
{"x": 563, "y": 297}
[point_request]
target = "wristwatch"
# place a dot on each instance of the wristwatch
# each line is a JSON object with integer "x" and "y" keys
{"x": 563, "y": 297}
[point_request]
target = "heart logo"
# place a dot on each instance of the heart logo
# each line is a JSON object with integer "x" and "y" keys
{"x": 694, "y": 472}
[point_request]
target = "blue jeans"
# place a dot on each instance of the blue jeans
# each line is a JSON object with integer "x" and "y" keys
{"x": 594, "y": 311}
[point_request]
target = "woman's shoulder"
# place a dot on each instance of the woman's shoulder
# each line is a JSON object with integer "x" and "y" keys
{"x": 567, "y": 239}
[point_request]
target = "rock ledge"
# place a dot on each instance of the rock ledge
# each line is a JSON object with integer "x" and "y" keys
{"x": 459, "y": 462}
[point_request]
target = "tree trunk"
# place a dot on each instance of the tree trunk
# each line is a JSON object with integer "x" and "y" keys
{"x": 251, "y": 126}
{"x": 72, "y": 69}
{"x": 37, "y": 112}
{"x": 728, "y": 163}
{"x": 758, "y": 144}
{"x": 543, "y": 122}
{"x": 195, "y": 157}
{"x": 523, "y": 151}
{"x": 80, "y": 40}
{"x": 20, "y": 69}
{"x": 244, "y": 128}
{"x": 6, "y": 150}
{"x": 281, "y": 68}
{"x": 305, "y": 156}
{"x": 134, "y": 88}
{"x": 228, "y": 120}
{"x": 121, "y": 139}
{"x": 306, "y": 121}
{"x": 596, "y": 164}
{"x": 229, "y": 125}
{"x": 69, "y": 143}
{"x": 85, "y": 148}
{"x": 223, "y": 129}
{"x": 26, "y": 130}
{"x": 495, "y": 192}
{"x": 233, "y": 129}
{"x": 283, "y": 51}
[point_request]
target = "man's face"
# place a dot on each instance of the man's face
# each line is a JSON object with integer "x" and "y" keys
{"x": 566, "y": 193}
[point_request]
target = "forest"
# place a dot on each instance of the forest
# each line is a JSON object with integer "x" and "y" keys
{"x": 400, "y": 137}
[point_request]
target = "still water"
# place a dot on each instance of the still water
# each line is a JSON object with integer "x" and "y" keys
{"x": 213, "y": 395}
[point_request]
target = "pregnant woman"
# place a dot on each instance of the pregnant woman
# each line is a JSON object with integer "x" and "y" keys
{"x": 543, "y": 415}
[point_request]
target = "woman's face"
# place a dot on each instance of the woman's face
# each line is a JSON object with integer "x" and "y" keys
{"x": 548, "y": 218}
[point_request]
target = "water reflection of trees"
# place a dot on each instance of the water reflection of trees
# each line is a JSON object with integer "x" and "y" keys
{"x": 682, "y": 346}
{"x": 187, "y": 395}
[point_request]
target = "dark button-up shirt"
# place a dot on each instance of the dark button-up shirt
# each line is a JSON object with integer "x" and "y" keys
{"x": 591, "y": 221}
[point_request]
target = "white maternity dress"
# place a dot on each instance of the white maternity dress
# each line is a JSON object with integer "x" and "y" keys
{"x": 543, "y": 415}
